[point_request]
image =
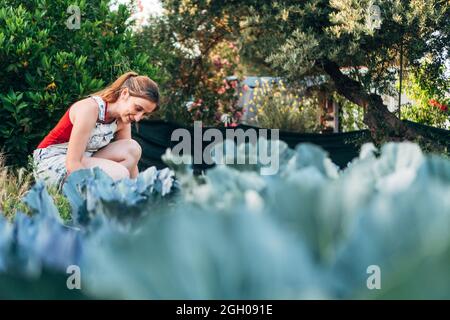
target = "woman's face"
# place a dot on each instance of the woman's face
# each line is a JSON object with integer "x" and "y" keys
{"x": 133, "y": 109}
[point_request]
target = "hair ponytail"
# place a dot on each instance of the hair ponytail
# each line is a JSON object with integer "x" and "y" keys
{"x": 138, "y": 86}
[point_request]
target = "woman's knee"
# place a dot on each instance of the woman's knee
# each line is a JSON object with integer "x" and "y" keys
{"x": 134, "y": 149}
{"x": 115, "y": 170}
{"x": 119, "y": 172}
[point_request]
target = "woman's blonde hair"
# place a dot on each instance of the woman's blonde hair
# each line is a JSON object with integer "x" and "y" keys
{"x": 138, "y": 86}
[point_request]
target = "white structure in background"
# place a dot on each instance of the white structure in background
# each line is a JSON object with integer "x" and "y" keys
{"x": 392, "y": 102}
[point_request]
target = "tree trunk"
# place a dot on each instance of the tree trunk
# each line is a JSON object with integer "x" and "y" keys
{"x": 383, "y": 125}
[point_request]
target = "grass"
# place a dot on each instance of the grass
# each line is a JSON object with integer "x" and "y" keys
{"x": 61, "y": 203}
{"x": 15, "y": 183}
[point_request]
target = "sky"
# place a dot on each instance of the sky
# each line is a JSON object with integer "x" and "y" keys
{"x": 150, "y": 7}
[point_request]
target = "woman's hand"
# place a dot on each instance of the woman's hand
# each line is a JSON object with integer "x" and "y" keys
{"x": 73, "y": 166}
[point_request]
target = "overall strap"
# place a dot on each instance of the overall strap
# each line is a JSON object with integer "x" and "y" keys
{"x": 101, "y": 107}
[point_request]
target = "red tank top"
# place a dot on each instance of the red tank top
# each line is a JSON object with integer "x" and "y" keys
{"x": 61, "y": 132}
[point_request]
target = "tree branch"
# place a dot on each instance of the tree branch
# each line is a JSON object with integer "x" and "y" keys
{"x": 349, "y": 88}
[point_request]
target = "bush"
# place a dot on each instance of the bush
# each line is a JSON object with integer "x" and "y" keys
{"x": 425, "y": 91}
{"x": 45, "y": 66}
{"x": 281, "y": 108}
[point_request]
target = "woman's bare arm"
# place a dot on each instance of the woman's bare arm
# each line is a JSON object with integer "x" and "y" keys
{"x": 83, "y": 115}
{"x": 123, "y": 132}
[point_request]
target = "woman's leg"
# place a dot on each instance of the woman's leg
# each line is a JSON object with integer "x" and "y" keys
{"x": 113, "y": 169}
{"x": 126, "y": 152}
{"x": 134, "y": 172}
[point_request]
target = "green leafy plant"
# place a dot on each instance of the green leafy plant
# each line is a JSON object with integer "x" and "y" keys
{"x": 431, "y": 97}
{"x": 279, "y": 107}
{"x": 308, "y": 231}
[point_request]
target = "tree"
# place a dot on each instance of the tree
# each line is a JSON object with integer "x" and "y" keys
{"x": 194, "y": 44}
{"x": 319, "y": 37}
{"x": 311, "y": 38}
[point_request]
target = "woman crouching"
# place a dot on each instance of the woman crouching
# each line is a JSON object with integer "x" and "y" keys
{"x": 96, "y": 132}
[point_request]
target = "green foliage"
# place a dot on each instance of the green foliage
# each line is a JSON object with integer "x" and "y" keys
{"x": 194, "y": 44}
{"x": 424, "y": 89}
{"x": 62, "y": 204}
{"x": 280, "y": 107}
{"x": 45, "y": 67}
{"x": 351, "y": 116}
{"x": 14, "y": 183}
{"x": 301, "y": 40}
{"x": 296, "y": 37}
{"x": 305, "y": 40}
